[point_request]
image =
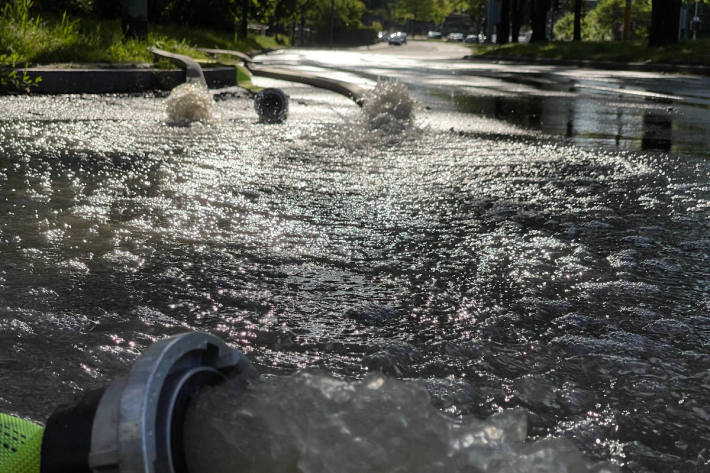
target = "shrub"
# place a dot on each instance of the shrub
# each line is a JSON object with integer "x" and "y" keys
{"x": 604, "y": 22}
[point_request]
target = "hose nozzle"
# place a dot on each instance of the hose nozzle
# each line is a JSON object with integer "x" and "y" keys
{"x": 135, "y": 424}
{"x": 271, "y": 105}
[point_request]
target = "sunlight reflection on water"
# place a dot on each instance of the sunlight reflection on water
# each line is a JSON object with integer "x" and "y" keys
{"x": 544, "y": 276}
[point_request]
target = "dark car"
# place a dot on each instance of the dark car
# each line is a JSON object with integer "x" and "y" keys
{"x": 398, "y": 39}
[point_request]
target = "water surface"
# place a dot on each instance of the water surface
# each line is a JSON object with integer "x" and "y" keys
{"x": 504, "y": 267}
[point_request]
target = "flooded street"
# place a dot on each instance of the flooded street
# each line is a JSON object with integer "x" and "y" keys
{"x": 532, "y": 240}
{"x": 613, "y": 109}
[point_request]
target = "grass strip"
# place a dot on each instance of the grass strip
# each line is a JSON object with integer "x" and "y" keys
{"x": 43, "y": 40}
{"x": 695, "y": 53}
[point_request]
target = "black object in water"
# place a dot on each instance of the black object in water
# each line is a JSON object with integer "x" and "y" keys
{"x": 271, "y": 105}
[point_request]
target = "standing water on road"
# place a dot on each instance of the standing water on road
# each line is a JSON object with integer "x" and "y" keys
{"x": 499, "y": 268}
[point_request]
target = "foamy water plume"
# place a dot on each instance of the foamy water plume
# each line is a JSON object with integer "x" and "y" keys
{"x": 389, "y": 107}
{"x": 311, "y": 423}
{"x": 190, "y": 102}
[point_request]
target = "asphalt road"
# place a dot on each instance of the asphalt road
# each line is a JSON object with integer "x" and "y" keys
{"x": 621, "y": 109}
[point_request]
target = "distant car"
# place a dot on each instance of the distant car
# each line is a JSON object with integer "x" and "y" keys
{"x": 382, "y": 36}
{"x": 398, "y": 39}
{"x": 454, "y": 37}
{"x": 470, "y": 39}
{"x": 433, "y": 35}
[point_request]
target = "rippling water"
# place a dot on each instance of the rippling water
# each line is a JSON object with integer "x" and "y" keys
{"x": 468, "y": 254}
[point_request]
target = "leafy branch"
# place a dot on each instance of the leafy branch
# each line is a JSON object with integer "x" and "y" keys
{"x": 13, "y": 79}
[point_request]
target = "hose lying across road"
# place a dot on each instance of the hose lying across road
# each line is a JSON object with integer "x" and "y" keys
{"x": 354, "y": 92}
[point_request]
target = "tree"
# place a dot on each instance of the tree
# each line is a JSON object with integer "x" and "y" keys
{"x": 665, "y": 22}
{"x": 504, "y": 28}
{"x": 605, "y": 22}
{"x": 517, "y": 18}
{"x": 243, "y": 19}
{"x": 538, "y": 18}
{"x": 421, "y": 10}
{"x": 577, "y": 34}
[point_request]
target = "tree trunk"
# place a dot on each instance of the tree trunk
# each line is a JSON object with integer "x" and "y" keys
{"x": 577, "y": 20}
{"x": 517, "y": 18}
{"x": 504, "y": 27}
{"x": 302, "y": 31}
{"x": 538, "y": 17}
{"x": 244, "y": 20}
{"x": 134, "y": 20}
{"x": 665, "y": 21}
{"x": 332, "y": 18}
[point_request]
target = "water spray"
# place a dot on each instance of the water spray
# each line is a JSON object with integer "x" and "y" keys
{"x": 135, "y": 424}
{"x": 271, "y": 104}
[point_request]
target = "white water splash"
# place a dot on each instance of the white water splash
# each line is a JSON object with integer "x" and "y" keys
{"x": 389, "y": 107}
{"x": 190, "y": 102}
{"x": 318, "y": 424}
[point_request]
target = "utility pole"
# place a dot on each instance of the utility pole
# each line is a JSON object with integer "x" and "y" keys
{"x": 134, "y": 18}
{"x": 627, "y": 21}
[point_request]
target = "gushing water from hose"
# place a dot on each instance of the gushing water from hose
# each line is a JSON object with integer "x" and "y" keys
{"x": 314, "y": 423}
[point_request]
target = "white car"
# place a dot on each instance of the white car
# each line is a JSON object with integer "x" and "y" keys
{"x": 454, "y": 37}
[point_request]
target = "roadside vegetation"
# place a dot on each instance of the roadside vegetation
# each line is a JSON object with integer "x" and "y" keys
{"x": 29, "y": 37}
{"x": 688, "y": 52}
{"x": 61, "y": 31}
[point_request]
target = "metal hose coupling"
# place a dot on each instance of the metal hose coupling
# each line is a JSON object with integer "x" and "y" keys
{"x": 271, "y": 105}
{"x": 134, "y": 425}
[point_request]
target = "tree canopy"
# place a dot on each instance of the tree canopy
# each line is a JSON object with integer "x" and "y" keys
{"x": 358, "y": 20}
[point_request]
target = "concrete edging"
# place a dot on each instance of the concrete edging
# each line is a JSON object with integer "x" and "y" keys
{"x": 107, "y": 81}
{"x": 609, "y": 65}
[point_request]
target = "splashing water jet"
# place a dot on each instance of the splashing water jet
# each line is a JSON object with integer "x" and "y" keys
{"x": 190, "y": 102}
{"x": 389, "y": 107}
{"x": 314, "y": 423}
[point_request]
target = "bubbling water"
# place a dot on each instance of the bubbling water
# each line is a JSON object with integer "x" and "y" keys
{"x": 190, "y": 102}
{"x": 389, "y": 107}
{"x": 314, "y": 423}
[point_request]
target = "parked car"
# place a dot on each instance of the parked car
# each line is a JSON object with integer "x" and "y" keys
{"x": 433, "y": 35}
{"x": 471, "y": 39}
{"x": 454, "y": 37}
{"x": 398, "y": 39}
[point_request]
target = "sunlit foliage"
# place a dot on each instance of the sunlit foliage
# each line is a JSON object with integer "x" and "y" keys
{"x": 605, "y": 22}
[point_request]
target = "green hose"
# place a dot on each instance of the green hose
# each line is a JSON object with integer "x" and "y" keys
{"x": 20, "y": 445}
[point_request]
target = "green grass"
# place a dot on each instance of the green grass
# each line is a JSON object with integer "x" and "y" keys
{"x": 59, "y": 40}
{"x": 687, "y": 52}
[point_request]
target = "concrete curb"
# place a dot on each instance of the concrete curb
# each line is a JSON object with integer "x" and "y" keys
{"x": 608, "y": 65}
{"x": 108, "y": 81}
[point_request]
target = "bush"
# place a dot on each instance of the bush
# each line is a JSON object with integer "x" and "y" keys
{"x": 604, "y": 22}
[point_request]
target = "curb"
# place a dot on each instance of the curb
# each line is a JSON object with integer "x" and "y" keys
{"x": 108, "y": 81}
{"x": 608, "y": 65}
